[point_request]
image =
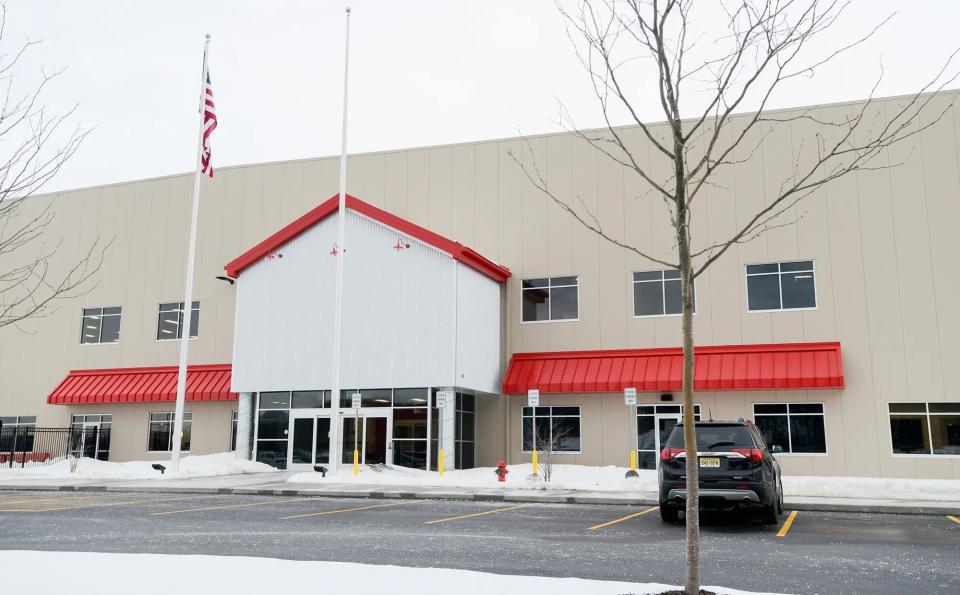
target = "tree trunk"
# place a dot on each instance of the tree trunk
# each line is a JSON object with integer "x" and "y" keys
{"x": 692, "y": 580}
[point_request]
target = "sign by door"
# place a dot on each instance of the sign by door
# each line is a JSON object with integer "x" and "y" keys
{"x": 442, "y": 397}
{"x": 630, "y": 397}
{"x": 533, "y": 398}
{"x": 355, "y": 400}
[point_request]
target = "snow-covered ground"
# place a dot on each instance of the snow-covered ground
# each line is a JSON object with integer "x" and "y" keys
{"x": 611, "y": 479}
{"x": 83, "y": 573}
{"x": 225, "y": 463}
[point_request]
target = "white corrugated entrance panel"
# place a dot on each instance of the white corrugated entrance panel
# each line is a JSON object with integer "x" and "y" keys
{"x": 406, "y": 323}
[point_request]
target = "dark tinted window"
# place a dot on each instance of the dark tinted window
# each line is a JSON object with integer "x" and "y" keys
{"x": 763, "y": 292}
{"x": 715, "y": 436}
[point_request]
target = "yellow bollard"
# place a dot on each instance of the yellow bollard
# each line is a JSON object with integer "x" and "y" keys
{"x": 534, "y": 461}
{"x": 356, "y": 462}
{"x": 440, "y": 462}
{"x": 633, "y": 460}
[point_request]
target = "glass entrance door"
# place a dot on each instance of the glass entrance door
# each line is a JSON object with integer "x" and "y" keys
{"x": 654, "y": 424}
{"x": 369, "y": 433}
{"x": 309, "y": 441}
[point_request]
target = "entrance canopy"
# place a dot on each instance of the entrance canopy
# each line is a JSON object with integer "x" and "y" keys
{"x": 719, "y": 367}
{"x": 142, "y": 385}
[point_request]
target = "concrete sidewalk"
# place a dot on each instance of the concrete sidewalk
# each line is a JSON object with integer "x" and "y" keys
{"x": 275, "y": 484}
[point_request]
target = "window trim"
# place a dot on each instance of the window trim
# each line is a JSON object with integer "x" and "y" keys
{"x": 633, "y": 295}
{"x": 826, "y": 434}
{"x": 746, "y": 287}
{"x": 550, "y": 303}
{"x": 82, "y": 316}
{"x": 914, "y": 455}
{"x": 579, "y": 416}
{"x": 159, "y": 340}
{"x": 171, "y": 413}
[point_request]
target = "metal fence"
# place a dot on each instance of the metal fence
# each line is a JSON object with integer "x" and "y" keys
{"x": 30, "y": 446}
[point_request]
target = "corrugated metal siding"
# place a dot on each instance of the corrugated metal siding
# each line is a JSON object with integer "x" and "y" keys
{"x": 399, "y": 312}
{"x": 478, "y": 331}
{"x": 398, "y": 315}
{"x": 284, "y": 316}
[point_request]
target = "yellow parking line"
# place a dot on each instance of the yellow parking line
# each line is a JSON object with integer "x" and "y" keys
{"x": 125, "y": 502}
{"x": 467, "y": 516}
{"x": 787, "y": 524}
{"x": 321, "y": 513}
{"x": 165, "y": 512}
{"x": 953, "y": 518}
{"x": 623, "y": 518}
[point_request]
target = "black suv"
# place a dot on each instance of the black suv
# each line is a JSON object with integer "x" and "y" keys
{"x": 737, "y": 470}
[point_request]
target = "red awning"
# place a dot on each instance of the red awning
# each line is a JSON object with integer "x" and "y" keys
{"x": 142, "y": 385}
{"x": 718, "y": 367}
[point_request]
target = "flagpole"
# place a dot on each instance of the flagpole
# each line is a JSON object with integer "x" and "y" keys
{"x": 188, "y": 297}
{"x": 335, "y": 446}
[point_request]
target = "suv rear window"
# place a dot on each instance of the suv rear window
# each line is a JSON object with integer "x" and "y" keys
{"x": 715, "y": 436}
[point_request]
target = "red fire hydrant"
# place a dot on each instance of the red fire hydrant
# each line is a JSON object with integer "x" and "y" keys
{"x": 501, "y": 471}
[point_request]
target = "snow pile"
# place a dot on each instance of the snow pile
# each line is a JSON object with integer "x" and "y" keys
{"x": 886, "y": 488}
{"x": 122, "y": 574}
{"x": 225, "y": 463}
{"x": 565, "y": 477}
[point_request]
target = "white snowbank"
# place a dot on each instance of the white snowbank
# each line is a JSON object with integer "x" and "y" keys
{"x": 886, "y": 488}
{"x": 83, "y": 573}
{"x": 565, "y": 477}
{"x": 611, "y": 479}
{"x": 225, "y": 463}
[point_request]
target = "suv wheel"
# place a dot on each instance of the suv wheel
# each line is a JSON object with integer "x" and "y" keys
{"x": 668, "y": 514}
{"x": 771, "y": 513}
{"x": 780, "y": 500}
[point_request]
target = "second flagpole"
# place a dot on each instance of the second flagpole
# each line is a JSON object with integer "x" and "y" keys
{"x": 340, "y": 252}
{"x": 188, "y": 293}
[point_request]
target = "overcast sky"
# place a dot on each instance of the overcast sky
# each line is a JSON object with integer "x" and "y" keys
{"x": 422, "y": 73}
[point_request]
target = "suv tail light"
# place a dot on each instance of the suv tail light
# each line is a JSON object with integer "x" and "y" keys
{"x": 669, "y": 453}
{"x": 754, "y": 454}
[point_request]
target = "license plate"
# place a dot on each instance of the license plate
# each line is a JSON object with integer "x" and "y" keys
{"x": 710, "y": 462}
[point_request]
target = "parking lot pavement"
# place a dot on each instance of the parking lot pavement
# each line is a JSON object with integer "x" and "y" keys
{"x": 814, "y": 552}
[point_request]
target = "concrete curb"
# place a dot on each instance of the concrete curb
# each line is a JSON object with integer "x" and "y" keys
{"x": 434, "y": 494}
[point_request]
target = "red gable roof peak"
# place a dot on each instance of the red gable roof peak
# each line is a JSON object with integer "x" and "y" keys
{"x": 456, "y": 250}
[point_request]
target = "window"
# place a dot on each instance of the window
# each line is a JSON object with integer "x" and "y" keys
{"x": 925, "y": 428}
{"x": 555, "y": 298}
{"x": 94, "y": 441}
{"x": 781, "y": 286}
{"x": 273, "y": 420}
{"x": 16, "y": 433}
{"x": 233, "y": 430}
{"x": 410, "y": 427}
{"x": 657, "y": 293}
{"x": 369, "y": 397}
{"x": 170, "y": 321}
{"x": 160, "y": 432}
{"x": 100, "y": 325}
{"x": 795, "y": 427}
{"x": 464, "y": 431}
{"x": 555, "y": 429}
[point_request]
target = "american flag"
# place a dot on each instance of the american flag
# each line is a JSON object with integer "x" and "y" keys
{"x": 209, "y": 125}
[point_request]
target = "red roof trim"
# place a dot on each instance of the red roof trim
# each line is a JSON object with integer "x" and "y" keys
{"x": 208, "y": 382}
{"x": 458, "y": 251}
{"x": 718, "y": 368}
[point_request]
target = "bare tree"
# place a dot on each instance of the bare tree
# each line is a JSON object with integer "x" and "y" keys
{"x": 633, "y": 49}
{"x": 34, "y": 145}
{"x": 548, "y": 445}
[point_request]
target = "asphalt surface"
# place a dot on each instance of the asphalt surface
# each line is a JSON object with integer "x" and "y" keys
{"x": 818, "y": 552}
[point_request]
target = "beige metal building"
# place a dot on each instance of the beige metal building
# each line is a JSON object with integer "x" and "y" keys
{"x": 839, "y": 335}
